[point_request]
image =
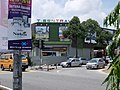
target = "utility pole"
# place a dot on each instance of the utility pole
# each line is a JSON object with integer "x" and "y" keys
{"x": 17, "y": 71}
{"x": 19, "y": 18}
{"x": 76, "y": 47}
{"x": 90, "y": 45}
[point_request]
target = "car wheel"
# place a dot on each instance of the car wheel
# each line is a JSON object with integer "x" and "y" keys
{"x": 23, "y": 69}
{"x": 97, "y": 66}
{"x": 68, "y": 65}
{"x": 103, "y": 66}
{"x": 10, "y": 68}
{"x": 87, "y": 68}
{"x": 80, "y": 65}
{"x": 2, "y": 68}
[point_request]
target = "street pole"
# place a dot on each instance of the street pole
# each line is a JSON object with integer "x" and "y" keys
{"x": 90, "y": 45}
{"x": 17, "y": 71}
{"x": 76, "y": 48}
{"x": 40, "y": 53}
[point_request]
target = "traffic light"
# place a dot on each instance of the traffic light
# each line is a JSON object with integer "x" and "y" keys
{"x": 36, "y": 43}
{"x": 42, "y": 44}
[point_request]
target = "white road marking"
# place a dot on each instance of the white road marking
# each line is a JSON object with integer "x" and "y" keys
{"x": 6, "y": 88}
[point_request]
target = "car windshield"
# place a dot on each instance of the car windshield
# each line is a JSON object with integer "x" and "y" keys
{"x": 69, "y": 60}
{"x": 93, "y": 61}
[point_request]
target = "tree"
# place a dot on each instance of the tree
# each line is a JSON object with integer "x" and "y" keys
{"x": 91, "y": 27}
{"x": 113, "y": 79}
{"x": 104, "y": 37}
{"x": 74, "y": 32}
{"x": 114, "y": 17}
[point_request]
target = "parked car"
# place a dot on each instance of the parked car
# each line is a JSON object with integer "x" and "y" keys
{"x": 95, "y": 63}
{"x": 84, "y": 61}
{"x": 108, "y": 59}
{"x": 71, "y": 62}
{"x": 6, "y": 62}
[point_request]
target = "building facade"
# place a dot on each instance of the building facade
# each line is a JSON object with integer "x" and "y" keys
{"x": 57, "y": 48}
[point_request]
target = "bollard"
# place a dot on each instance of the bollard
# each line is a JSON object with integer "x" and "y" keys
{"x": 47, "y": 67}
{"x": 56, "y": 66}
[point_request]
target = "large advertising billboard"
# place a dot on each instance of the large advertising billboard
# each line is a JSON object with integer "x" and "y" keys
{"x": 3, "y": 24}
{"x": 61, "y": 29}
{"x": 42, "y": 32}
{"x": 19, "y": 24}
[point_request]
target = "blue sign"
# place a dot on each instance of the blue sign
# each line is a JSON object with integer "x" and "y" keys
{"x": 25, "y": 44}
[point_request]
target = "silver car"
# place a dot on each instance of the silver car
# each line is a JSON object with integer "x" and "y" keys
{"x": 71, "y": 62}
{"x": 95, "y": 63}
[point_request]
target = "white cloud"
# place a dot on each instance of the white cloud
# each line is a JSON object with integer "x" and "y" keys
{"x": 84, "y": 9}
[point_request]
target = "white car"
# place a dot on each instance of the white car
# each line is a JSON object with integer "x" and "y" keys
{"x": 95, "y": 63}
{"x": 71, "y": 62}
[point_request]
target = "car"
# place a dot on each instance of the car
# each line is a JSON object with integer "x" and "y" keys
{"x": 71, "y": 62}
{"x": 84, "y": 61}
{"x": 108, "y": 59}
{"x": 95, "y": 63}
{"x": 7, "y": 60}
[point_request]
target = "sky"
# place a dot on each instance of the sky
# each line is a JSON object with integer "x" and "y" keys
{"x": 66, "y": 9}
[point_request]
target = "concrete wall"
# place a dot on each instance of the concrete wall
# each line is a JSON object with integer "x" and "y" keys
{"x": 48, "y": 60}
{"x": 85, "y": 52}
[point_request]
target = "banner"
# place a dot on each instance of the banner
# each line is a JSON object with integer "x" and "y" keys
{"x": 19, "y": 22}
{"x": 42, "y": 32}
{"x": 3, "y": 24}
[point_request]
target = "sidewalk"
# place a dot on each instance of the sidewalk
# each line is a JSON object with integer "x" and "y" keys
{"x": 106, "y": 70}
{"x": 44, "y": 68}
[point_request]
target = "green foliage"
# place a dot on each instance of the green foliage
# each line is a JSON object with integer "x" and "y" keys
{"x": 91, "y": 26}
{"x": 113, "y": 18}
{"x": 103, "y": 37}
{"x": 113, "y": 79}
{"x": 74, "y": 28}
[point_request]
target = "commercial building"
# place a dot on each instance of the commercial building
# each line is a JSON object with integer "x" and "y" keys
{"x": 57, "y": 48}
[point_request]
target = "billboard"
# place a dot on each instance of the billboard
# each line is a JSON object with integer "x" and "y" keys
{"x": 61, "y": 29}
{"x": 19, "y": 24}
{"x": 42, "y": 32}
{"x": 3, "y": 24}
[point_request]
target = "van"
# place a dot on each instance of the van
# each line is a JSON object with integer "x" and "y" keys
{"x": 6, "y": 62}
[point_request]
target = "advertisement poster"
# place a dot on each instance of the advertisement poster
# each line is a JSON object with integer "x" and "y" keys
{"x": 3, "y": 24}
{"x": 19, "y": 24}
{"x": 61, "y": 29}
{"x": 42, "y": 32}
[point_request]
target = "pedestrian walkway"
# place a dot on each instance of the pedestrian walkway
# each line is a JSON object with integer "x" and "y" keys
{"x": 44, "y": 68}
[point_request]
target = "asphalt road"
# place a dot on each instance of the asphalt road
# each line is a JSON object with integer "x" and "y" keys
{"x": 77, "y": 78}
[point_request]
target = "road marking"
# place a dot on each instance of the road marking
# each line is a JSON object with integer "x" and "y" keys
{"x": 6, "y": 88}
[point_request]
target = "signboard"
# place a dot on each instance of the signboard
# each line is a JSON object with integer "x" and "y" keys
{"x": 53, "y": 20}
{"x": 3, "y": 24}
{"x": 61, "y": 29}
{"x": 19, "y": 22}
{"x": 42, "y": 32}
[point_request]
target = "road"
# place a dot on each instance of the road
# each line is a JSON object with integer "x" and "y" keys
{"x": 77, "y": 78}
